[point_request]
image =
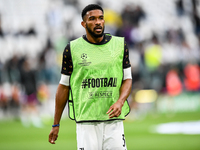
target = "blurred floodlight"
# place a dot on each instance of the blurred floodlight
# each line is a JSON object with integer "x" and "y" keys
{"x": 146, "y": 96}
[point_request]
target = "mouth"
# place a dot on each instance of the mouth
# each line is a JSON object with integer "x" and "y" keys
{"x": 98, "y": 29}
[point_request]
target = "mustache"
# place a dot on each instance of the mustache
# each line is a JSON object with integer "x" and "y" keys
{"x": 98, "y": 27}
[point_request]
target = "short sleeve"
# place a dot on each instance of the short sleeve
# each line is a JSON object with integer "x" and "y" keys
{"x": 67, "y": 66}
{"x": 126, "y": 61}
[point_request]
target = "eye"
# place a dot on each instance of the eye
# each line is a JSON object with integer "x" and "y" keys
{"x": 91, "y": 18}
{"x": 101, "y": 18}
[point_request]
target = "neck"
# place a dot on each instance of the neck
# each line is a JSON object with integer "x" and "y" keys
{"x": 94, "y": 39}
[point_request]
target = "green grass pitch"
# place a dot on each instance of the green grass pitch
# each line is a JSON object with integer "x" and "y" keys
{"x": 13, "y": 136}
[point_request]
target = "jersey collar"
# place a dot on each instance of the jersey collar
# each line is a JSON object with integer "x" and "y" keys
{"x": 107, "y": 37}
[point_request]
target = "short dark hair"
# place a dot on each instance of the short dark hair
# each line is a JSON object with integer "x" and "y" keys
{"x": 90, "y": 7}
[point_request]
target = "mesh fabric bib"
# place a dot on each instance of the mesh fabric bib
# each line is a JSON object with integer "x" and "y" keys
{"x": 96, "y": 79}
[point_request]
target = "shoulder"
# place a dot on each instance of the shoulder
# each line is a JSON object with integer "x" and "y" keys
{"x": 76, "y": 43}
{"x": 67, "y": 47}
{"x": 75, "y": 40}
{"x": 118, "y": 38}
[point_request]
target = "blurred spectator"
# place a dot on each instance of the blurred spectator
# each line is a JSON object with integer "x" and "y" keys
{"x": 153, "y": 54}
{"x": 14, "y": 103}
{"x": 195, "y": 4}
{"x": 180, "y": 7}
{"x": 196, "y": 22}
{"x": 173, "y": 83}
{"x": 1, "y": 70}
{"x": 29, "y": 105}
{"x": 31, "y": 31}
{"x": 187, "y": 52}
{"x": 131, "y": 16}
{"x": 1, "y": 30}
{"x": 192, "y": 77}
{"x": 3, "y": 100}
{"x": 55, "y": 18}
{"x": 171, "y": 52}
{"x": 28, "y": 81}
{"x": 43, "y": 93}
{"x": 152, "y": 58}
{"x": 13, "y": 70}
{"x": 47, "y": 69}
{"x": 113, "y": 21}
{"x": 71, "y": 2}
{"x": 125, "y": 31}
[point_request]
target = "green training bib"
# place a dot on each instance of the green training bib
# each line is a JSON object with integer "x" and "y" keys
{"x": 96, "y": 79}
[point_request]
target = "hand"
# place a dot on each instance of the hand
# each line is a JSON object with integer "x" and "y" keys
{"x": 115, "y": 109}
{"x": 53, "y": 135}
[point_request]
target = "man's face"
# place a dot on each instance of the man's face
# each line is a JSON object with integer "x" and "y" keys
{"x": 94, "y": 23}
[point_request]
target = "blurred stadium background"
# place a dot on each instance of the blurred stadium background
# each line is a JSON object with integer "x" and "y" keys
{"x": 164, "y": 44}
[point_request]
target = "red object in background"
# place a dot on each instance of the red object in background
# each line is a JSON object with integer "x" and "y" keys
{"x": 192, "y": 77}
{"x": 173, "y": 83}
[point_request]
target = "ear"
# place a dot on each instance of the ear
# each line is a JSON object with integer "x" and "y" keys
{"x": 83, "y": 23}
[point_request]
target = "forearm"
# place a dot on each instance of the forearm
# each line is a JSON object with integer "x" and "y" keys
{"x": 62, "y": 95}
{"x": 125, "y": 90}
{"x": 115, "y": 109}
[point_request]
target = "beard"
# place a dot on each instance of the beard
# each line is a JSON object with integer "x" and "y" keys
{"x": 94, "y": 34}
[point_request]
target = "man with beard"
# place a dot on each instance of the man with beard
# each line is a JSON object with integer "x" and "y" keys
{"x": 96, "y": 81}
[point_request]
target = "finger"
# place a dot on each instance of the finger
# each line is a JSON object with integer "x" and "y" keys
{"x": 118, "y": 114}
{"x": 112, "y": 116}
{"x": 50, "y": 137}
{"x": 109, "y": 110}
{"x": 54, "y": 138}
{"x": 114, "y": 112}
{"x": 52, "y": 142}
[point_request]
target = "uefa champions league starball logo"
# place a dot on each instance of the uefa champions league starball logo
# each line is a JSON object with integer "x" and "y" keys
{"x": 84, "y": 56}
{"x": 84, "y": 61}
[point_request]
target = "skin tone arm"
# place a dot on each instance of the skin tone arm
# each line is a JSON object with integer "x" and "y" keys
{"x": 62, "y": 96}
{"x": 116, "y": 108}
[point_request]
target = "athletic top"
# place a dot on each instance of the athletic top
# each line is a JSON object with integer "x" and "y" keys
{"x": 96, "y": 79}
{"x": 67, "y": 66}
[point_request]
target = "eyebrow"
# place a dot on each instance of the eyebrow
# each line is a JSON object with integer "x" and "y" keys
{"x": 95, "y": 16}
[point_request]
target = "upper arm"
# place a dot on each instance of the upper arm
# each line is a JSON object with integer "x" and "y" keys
{"x": 126, "y": 61}
{"x": 67, "y": 66}
{"x": 127, "y": 74}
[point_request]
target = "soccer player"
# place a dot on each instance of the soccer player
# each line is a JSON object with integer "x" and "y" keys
{"x": 96, "y": 80}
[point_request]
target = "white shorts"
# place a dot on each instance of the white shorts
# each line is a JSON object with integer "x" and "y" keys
{"x": 107, "y": 135}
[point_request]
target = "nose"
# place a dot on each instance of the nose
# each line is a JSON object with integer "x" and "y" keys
{"x": 98, "y": 22}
